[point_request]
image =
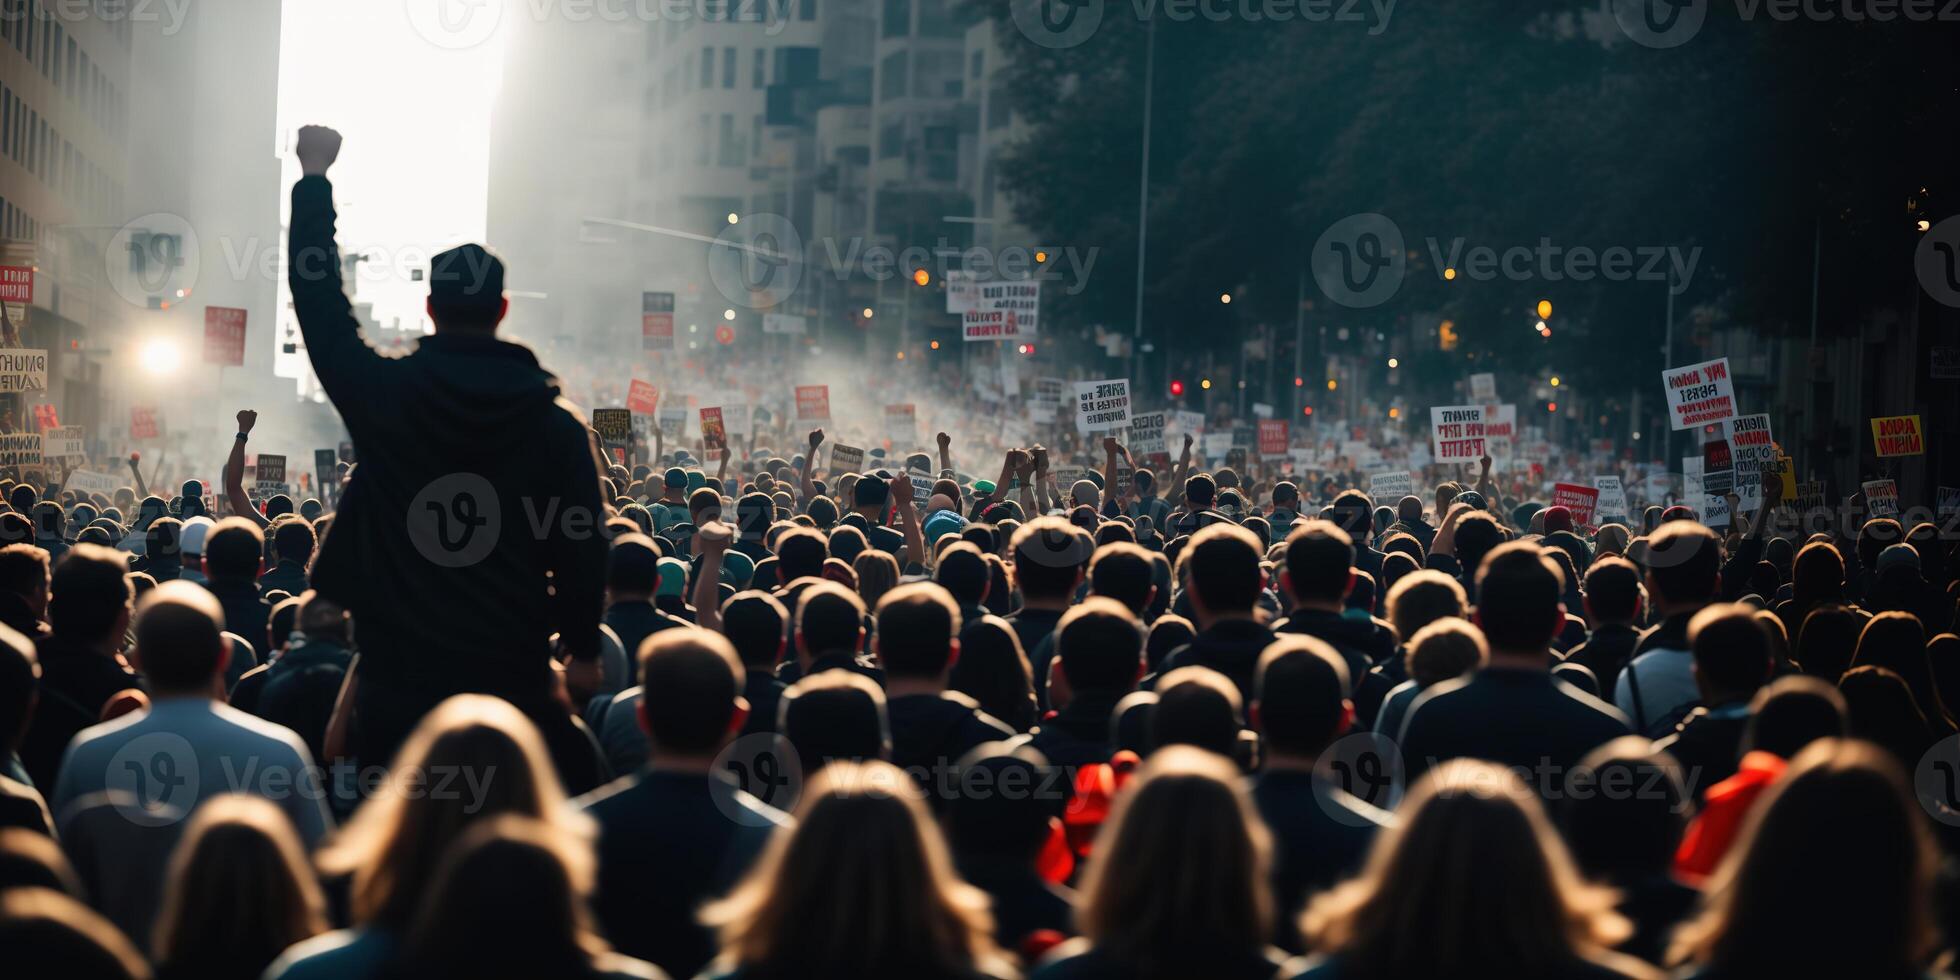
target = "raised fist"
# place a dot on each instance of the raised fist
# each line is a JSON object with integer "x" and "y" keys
{"x": 945, "y": 440}
{"x": 246, "y": 419}
{"x": 317, "y": 147}
{"x": 816, "y": 438}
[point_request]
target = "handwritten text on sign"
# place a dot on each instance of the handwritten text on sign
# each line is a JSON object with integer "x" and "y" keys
{"x": 23, "y": 369}
{"x": 1104, "y": 404}
{"x": 1456, "y": 433}
{"x": 1898, "y": 435}
{"x": 1581, "y": 501}
{"x": 813, "y": 402}
{"x": 1700, "y": 393}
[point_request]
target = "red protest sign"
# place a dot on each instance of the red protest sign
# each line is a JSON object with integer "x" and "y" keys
{"x": 1272, "y": 437}
{"x": 1581, "y": 501}
{"x": 813, "y": 402}
{"x": 16, "y": 284}
{"x": 46, "y": 417}
{"x": 224, "y": 335}
{"x": 143, "y": 422}
{"x": 642, "y": 397}
{"x": 657, "y": 321}
{"x": 714, "y": 437}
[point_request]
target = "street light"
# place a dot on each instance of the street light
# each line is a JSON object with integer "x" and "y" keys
{"x": 161, "y": 357}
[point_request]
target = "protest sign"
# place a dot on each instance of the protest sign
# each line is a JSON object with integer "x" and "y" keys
{"x": 1147, "y": 433}
{"x": 1103, "y": 405}
{"x": 642, "y": 397}
{"x": 1612, "y": 501}
{"x": 1273, "y": 438}
{"x": 902, "y": 424}
{"x": 1456, "y": 433}
{"x": 23, "y": 369}
{"x": 46, "y": 417}
{"x": 1500, "y": 429}
{"x": 143, "y": 422}
{"x": 921, "y": 485}
{"x": 1261, "y": 410}
{"x": 224, "y": 336}
{"x": 736, "y": 417}
{"x": 1189, "y": 423}
{"x": 325, "y": 468}
{"x": 1583, "y": 502}
{"x": 1946, "y": 363}
{"x": 1947, "y": 502}
{"x": 615, "y": 428}
{"x": 845, "y": 459}
{"x": 17, "y": 284}
{"x": 962, "y": 291}
{"x": 656, "y": 321}
{"x": 1699, "y": 393}
{"x": 1003, "y": 311}
{"x": 1754, "y": 453}
{"x": 1717, "y": 468}
{"x": 1882, "y": 497}
{"x": 88, "y": 481}
{"x": 673, "y": 422}
{"x": 813, "y": 403}
{"x": 714, "y": 437}
{"x": 1691, "y": 488}
{"x": 784, "y": 323}
{"x": 62, "y": 442}
{"x": 1483, "y": 387}
{"x": 1217, "y": 444}
{"x": 269, "y": 475}
{"x": 1714, "y": 511}
{"x": 20, "y": 449}
{"x": 1898, "y": 435}
{"x": 1809, "y": 495}
{"x": 1389, "y": 485}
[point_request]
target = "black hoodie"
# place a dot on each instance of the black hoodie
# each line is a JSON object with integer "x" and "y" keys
{"x": 478, "y": 487}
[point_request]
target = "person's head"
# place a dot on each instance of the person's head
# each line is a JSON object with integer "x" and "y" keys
{"x": 870, "y": 495}
{"x": 632, "y": 568}
{"x": 32, "y": 859}
{"x": 1049, "y": 556}
{"x": 24, "y": 573}
{"x": 1873, "y": 883}
{"x": 1099, "y": 647}
{"x": 993, "y": 670}
{"x": 471, "y": 927}
{"x": 962, "y": 572}
{"x": 1817, "y": 574}
{"x": 847, "y": 543}
{"x": 293, "y": 540}
{"x": 1732, "y": 655}
{"x": 691, "y": 700}
{"x": 1221, "y": 569}
{"x": 466, "y": 290}
{"x": 395, "y": 841}
{"x": 162, "y": 543}
{"x": 1826, "y": 641}
{"x": 800, "y": 552}
{"x": 238, "y": 890}
{"x": 829, "y": 618}
{"x": 1613, "y": 592}
{"x": 758, "y": 625}
{"x": 863, "y": 884}
{"x": 1474, "y": 851}
{"x": 1423, "y": 597}
{"x": 20, "y": 683}
{"x": 1167, "y": 633}
{"x": 234, "y": 550}
{"x": 49, "y": 934}
{"x": 1897, "y": 642}
{"x": 180, "y": 645}
{"x": 1123, "y": 571}
{"x": 1180, "y": 876}
{"x": 1409, "y": 509}
{"x": 877, "y": 573}
{"x": 1354, "y": 512}
{"x": 1791, "y": 712}
{"x": 918, "y": 632}
{"x": 1624, "y": 812}
{"x": 1684, "y": 566}
{"x": 1519, "y": 599}
{"x": 1006, "y": 818}
{"x": 1446, "y": 648}
{"x": 835, "y": 715}
{"x": 1319, "y": 563}
{"x": 1197, "y": 706}
{"x": 1301, "y": 702}
{"x": 1200, "y": 490}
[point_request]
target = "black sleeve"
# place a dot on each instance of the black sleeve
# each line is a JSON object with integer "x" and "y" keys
{"x": 341, "y": 359}
{"x": 578, "y": 560}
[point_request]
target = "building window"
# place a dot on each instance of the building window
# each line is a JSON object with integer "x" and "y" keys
{"x": 707, "y": 68}
{"x": 733, "y": 151}
{"x": 701, "y": 144}
{"x": 897, "y": 19}
{"x": 760, "y": 79}
{"x": 979, "y": 62}
{"x": 891, "y": 140}
{"x": 806, "y": 10}
{"x": 728, "y": 68}
{"x": 891, "y": 76}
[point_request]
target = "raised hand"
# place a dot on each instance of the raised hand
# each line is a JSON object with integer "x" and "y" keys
{"x": 944, "y": 441}
{"x": 246, "y": 419}
{"x": 816, "y": 438}
{"x": 317, "y": 147}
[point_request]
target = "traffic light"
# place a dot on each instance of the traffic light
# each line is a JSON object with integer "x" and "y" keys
{"x": 1177, "y": 388}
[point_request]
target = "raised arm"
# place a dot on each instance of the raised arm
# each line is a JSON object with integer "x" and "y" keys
{"x": 808, "y": 486}
{"x": 1174, "y": 490}
{"x": 341, "y": 359}
{"x": 241, "y": 502}
{"x": 908, "y": 519}
{"x": 945, "y": 454}
{"x": 711, "y": 542}
{"x": 1484, "y": 485}
{"x": 136, "y": 473}
{"x": 1040, "y": 482}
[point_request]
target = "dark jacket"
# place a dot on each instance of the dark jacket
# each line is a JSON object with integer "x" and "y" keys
{"x": 246, "y": 614}
{"x": 635, "y": 620}
{"x": 1079, "y": 734}
{"x": 75, "y": 683}
{"x": 931, "y": 731}
{"x": 1363, "y": 643}
{"x": 288, "y": 576}
{"x": 1321, "y": 835}
{"x": 1708, "y": 745}
{"x": 1606, "y": 653}
{"x": 1519, "y": 718}
{"x": 477, "y": 486}
{"x": 1230, "y": 646}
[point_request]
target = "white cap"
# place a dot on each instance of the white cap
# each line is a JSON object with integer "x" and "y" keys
{"x": 192, "y": 540}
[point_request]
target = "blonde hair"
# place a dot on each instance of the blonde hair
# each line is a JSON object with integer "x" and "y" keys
{"x": 393, "y": 843}
{"x": 1444, "y": 649}
{"x": 863, "y": 885}
{"x": 1473, "y": 880}
{"x": 877, "y": 574}
{"x": 1423, "y": 597}
{"x": 1180, "y": 869}
{"x": 238, "y": 889}
{"x": 1838, "y": 837}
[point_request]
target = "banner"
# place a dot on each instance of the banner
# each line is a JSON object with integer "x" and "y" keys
{"x": 1500, "y": 429}
{"x": 1612, "y": 501}
{"x": 143, "y": 422}
{"x": 615, "y": 428}
{"x": 1273, "y": 438}
{"x": 1898, "y": 435}
{"x": 1189, "y": 423}
{"x": 642, "y": 397}
{"x": 962, "y": 292}
{"x": 62, "y": 442}
{"x": 1754, "y": 452}
{"x": 1715, "y": 511}
{"x": 1389, "y": 485}
{"x": 87, "y": 481}
{"x": 921, "y": 486}
{"x": 1947, "y": 502}
{"x": 1147, "y": 434}
{"x": 785, "y": 323}
{"x": 1882, "y": 497}
{"x": 1583, "y": 502}
{"x": 17, "y": 284}
{"x": 1809, "y": 496}
{"x": 270, "y": 475}
{"x": 1699, "y": 394}
{"x": 1717, "y": 468}
{"x": 845, "y": 459}
{"x": 656, "y": 321}
{"x": 1456, "y": 433}
{"x": 224, "y": 336}
{"x": 813, "y": 403}
{"x": 902, "y": 424}
{"x": 1103, "y": 405}
{"x": 23, "y": 369}
{"x": 714, "y": 438}
{"x": 20, "y": 449}
{"x": 1003, "y": 311}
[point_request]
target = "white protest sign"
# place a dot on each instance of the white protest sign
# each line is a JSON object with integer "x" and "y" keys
{"x": 1003, "y": 311}
{"x": 1189, "y": 423}
{"x": 1612, "y": 498}
{"x": 902, "y": 423}
{"x": 1714, "y": 510}
{"x": 86, "y": 481}
{"x": 1103, "y": 405}
{"x": 673, "y": 420}
{"x": 62, "y": 441}
{"x": 1483, "y": 387}
{"x": 1752, "y": 449}
{"x": 1147, "y": 433}
{"x": 1456, "y": 433}
{"x": 846, "y": 459}
{"x": 786, "y": 323}
{"x": 1882, "y": 497}
{"x": 23, "y": 369}
{"x": 921, "y": 485}
{"x": 1389, "y": 485}
{"x": 1698, "y": 394}
{"x": 20, "y": 449}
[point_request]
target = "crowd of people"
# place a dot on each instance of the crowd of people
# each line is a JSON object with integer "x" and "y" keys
{"x": 550, "y": 713}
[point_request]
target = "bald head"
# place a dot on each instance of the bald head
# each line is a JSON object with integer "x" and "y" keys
{"x": 939, "y": 502}
{"x": 179, "y": 641}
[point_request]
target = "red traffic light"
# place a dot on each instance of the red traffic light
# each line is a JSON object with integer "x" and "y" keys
{"x": 724, "y": 334}
{"x": 1177, "y": 389}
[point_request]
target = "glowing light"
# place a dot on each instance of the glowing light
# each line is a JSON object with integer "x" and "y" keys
{"x": 1449, "y": 273}
{"x": 935, "y": 345}
{"x": 1177, "y": 388}
{"x": 1205, "y": 384}
{"x": 161, "y": 357}
{"x": 1544, "y": 309}
{"x": 1394, "y": 362}
{"x": 1924, "y": 224}
{"x": 1332, "y": 384}
{"x": 1041, "y": 256}
{"x": 1394, "y": 413}
{"x": 1225, "y": 298}
{"x": 1307, "y": 411}
{"x": 922, "y": 277}
{"x": 1554, "y": 381}
{"x": 901, "y": 355}
{"x": 867, "y": 312}
{"x": 1551, "y": 406}
{"x": 734, "y": 219}
{"x": 1539, "y": 326}
{"x": 728, "y": 314}
{"x": 1299, "y": 382}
